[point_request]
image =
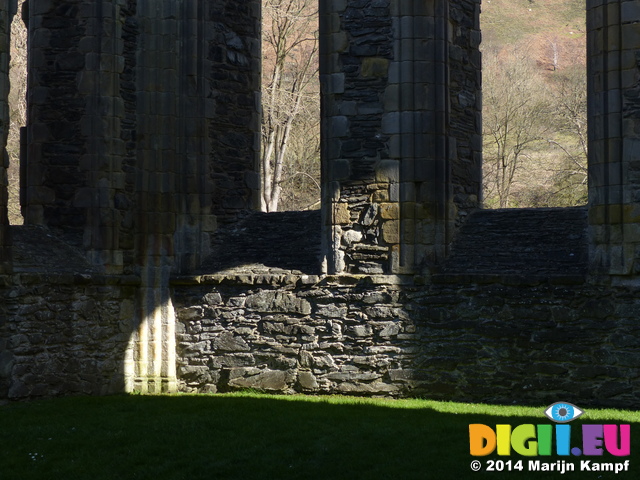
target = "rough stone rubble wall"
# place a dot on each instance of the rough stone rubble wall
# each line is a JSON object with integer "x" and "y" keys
{"x": 485, "y": 342}
{"x": 401, "y": 130}
{"x": 64, "y": 334}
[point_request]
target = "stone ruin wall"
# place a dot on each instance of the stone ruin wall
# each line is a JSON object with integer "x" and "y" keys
{"x": 502, "y": 340}
{"x": 66, "y": 334}
{"x": 401, "y": 131}
{"x": 142, "y": 122}
{"x": 142, "y": 140}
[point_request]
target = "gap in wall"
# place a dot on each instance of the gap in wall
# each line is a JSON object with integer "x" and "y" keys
{"x": 17, "y": 111}
{"x": 534, "y": 103}
{"x": 290, "y": 155}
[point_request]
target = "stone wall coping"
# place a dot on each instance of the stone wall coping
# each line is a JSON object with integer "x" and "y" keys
{"x": 291, "y": 279}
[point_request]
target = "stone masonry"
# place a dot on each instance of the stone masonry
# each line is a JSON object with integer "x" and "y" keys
{"x": 401, "y": 130}
{"x": 614, "y": 137}
{"x": 142, "y": 265}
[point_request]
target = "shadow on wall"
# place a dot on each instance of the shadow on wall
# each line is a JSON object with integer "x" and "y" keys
{"x": 279, "y": 240}
{"x": 496, "y": 341}
{"x": 65, "y": 329}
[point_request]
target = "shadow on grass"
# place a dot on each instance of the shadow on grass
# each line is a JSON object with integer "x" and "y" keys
{"x": 243, "y": 437}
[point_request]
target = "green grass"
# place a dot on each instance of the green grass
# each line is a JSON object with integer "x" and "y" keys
{"x": 250, "y": 436}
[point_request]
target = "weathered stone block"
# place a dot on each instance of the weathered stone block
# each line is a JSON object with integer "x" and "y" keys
{"x": 389, "y": 211}
{"x": 342, "y": 215}
{"x": 268, "y": 380}
{"x": 307, "y": 381}
{"x": 270, "y": 301}
{"x": 391, "y": 231}
{"x": 374, "y": 67}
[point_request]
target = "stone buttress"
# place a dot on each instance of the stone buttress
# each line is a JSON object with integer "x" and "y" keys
{"x": 397, "y": 78}
{"x": 614, "y": 137}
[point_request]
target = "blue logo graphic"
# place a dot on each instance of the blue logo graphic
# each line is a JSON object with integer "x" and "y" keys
{"x": 563, "y": 412}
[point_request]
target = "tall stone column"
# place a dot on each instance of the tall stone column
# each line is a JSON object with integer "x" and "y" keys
{"x": 197, "y": 115}
{"x": 393, "y": 163}
{"x": 418, "y": 125}
{"x": 614, "y": 136}
{"x": 76, "y": 178}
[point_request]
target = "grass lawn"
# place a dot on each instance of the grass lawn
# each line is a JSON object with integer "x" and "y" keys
{"x": 250, "y": 436}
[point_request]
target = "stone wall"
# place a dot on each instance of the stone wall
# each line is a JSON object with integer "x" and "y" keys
{"x": 142, "y": 138}
{"x": 65, "y": 334}
{"x": 465, "y": 81}
{"x": 234, "y": 50}
{"x": 509, "y": 341}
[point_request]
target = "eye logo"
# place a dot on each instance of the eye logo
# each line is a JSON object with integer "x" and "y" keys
{"x": 562, "y": 412}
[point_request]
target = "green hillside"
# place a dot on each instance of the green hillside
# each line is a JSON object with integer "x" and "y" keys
{"x": 515, "y": 21}
{"x": 546, "y": 29}
{"x": 534, "y": 97}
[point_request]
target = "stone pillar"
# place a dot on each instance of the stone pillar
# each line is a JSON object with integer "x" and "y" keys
{"x": 389, "y": 143}
{"x": 233, "y": 98}
{"x": 418, "y": 123}
{"x": 7, "y": 10}
{"x": 75, "y": 180}
{"x": 143, "y": 130}
{"x": 197, "y": 116}
{"x": 614, "y": 136}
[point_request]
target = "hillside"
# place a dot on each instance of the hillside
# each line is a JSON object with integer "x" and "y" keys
{"x": 545, "y": 28}
{"x": 534, "y": 103}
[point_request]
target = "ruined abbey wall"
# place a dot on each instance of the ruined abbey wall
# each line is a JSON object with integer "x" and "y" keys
{"x": 142, "y": 123}
{"x": 66, "y": 334}
{"x": 401, "y": 132}
{"x": 142, "y": 268}
{"x": 502, "y": 340}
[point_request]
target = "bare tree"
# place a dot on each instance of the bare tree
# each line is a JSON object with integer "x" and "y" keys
{"x": 569, "y": 94}
{"x": 290, "y": 86}
{"x": 17, "y": 111}
{"x": 514, "y": 119}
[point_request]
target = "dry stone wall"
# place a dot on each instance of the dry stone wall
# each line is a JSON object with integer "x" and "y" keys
{"x": 505, "y": 341}
{"x": 65, "y": 334}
